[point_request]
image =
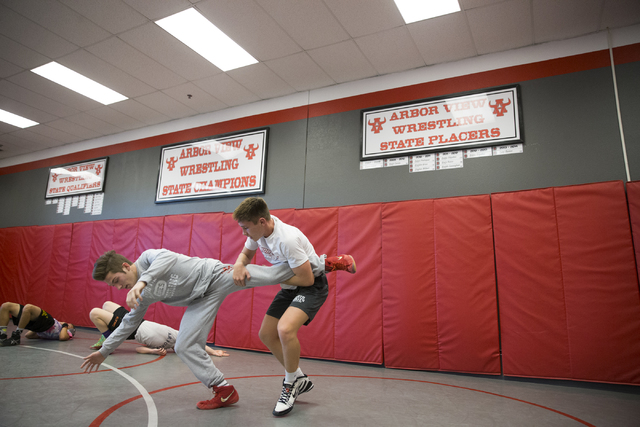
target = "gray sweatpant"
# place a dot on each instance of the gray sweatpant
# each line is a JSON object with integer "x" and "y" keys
{"x": 200, "y": 314}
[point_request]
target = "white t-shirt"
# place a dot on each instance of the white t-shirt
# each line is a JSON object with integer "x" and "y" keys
{"x": 287, "y": 244}
{"x": 155, "y": 335}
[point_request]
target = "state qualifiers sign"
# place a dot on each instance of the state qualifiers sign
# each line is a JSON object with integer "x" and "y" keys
{"x": 213, "y": 167}
{"x": 78, "y": 178}
{"x": 478, "y": 119}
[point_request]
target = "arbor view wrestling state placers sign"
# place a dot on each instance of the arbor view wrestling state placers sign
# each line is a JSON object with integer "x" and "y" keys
{"x": 213, "y": 167}
{"x": 472, "y": 120}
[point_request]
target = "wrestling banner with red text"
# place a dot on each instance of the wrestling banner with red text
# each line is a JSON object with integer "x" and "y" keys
{"x": 213, "y": 167}
{"x": 78, "y": 178}
{"x": 478, "y": 119}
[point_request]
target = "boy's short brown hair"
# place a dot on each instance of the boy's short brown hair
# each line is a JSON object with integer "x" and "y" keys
{"x": 108, "y": 262}
{"x": 252, "y": 209}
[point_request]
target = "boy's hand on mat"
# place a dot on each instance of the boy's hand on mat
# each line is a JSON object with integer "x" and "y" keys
{"x": 94, "y": 360}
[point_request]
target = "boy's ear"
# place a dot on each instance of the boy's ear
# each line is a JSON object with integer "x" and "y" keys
{"x": 126, "y": 267}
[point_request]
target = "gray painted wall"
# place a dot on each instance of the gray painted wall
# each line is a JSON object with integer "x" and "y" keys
{"x": 570, "y": 131}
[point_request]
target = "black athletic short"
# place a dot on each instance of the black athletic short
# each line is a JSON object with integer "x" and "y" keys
{"x": 41, "y": 324}
{"x": 307, "y": 298}
{"x": 116, "y": 319}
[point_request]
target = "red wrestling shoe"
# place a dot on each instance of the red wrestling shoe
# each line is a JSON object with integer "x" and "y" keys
{"x": 342, "y": 262}
{"x": 223, "y": 396}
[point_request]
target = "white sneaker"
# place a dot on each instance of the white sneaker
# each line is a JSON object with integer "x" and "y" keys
{"x": 287, "y": 399}
{"x": 303, "y": 384}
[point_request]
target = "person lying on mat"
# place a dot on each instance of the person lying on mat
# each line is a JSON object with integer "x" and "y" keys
{"x": 35, "y": 320}
{"x": 155, "y": 338}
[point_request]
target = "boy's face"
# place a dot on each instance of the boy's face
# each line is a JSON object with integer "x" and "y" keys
{"x": 123, "y": 279}
{"x": 253, "y": 230}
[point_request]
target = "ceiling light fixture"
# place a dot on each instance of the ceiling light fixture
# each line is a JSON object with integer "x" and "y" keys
{"x": 16, "y": 120}
{"x": 77, "y": 82}
{"x": 418, "y": 10}
{"x": 197, "y": 32}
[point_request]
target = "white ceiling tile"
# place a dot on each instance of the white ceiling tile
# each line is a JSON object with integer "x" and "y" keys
{"x": 553, "y": 19}
{"x": 54, "y": 91}
{"x": 105, "y": 73}
{"x": 169, "y": 51}
{"x": 501, "y": 26}
{"x": 195, "y": 98}
{"x": 391, "y": 50}
{"x": 24, "y": 110}
{"x": 32, "y": 35}
{"x": 140, "y": 112}
{"x": 300, "y": 72}
{"x": 116, "y": 118}
{"x": 93, "y": 123}
{"x": 8, "y": 69}
{"x": 343, "y": 62}
{"x": 259, "y": 79}
{"x": 363, "y": 17}
{"x": 246, "y": 23}
{"x": 35, "y": 100}
{"x": 49, "y": 136}
{"x": 309, "y": 22}
{"x": 60, "y": 20}
{"x": 135, "y": 63}
{"x": 74, "y": 129}
{"x": 227, "y": 90}
{"x": 19, "y": 54}
{"x": 22, "y": 141}
{"x": 443, "y": 39}
{"x": 472, "y": 4}
{"x": 158, "y": 9}
{"x": 166, "y": 105}
{"x": 114, "y": 16}
{"x": 620, "y": 13}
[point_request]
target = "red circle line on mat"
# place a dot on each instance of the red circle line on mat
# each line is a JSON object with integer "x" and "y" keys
{"x": 98, "y": 421}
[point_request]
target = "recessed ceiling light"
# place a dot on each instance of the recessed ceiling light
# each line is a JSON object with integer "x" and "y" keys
{"x": 16, "y": 120}
{"x": 418, "y": 10}
{"x": 77, "y": 82}
{"x": 197, "y": 32}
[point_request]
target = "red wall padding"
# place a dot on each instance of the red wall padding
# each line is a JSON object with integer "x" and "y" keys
{"x": 568, "y": 289}
{"x": 358, "y": 298}
{"x": 439, "y": 291}
{"x": 424, "y": 296}
{"x": 466, "y": 285}
{"x": 409, "y": 315}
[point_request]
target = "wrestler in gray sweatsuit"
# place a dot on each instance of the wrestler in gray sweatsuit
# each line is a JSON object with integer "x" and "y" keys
{"x": 200, "y": 284}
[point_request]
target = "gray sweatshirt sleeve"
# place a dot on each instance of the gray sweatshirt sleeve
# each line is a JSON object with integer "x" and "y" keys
{"x": 129, "y": 324}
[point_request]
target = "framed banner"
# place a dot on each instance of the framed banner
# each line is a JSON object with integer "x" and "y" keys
{"x": 474, "y": 119}
{"x": 77, "y": 178}
{"x": 213, "y": 167}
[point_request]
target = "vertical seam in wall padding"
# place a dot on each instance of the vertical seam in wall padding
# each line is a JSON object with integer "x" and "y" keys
{"x": 383, "y": 361}
{"x": 633, "y": 243}
{"x": 335, "y": 294}
{"x": 191, "y": 233}
{"x": 495, "y": 277}
{"x": 162, "y": 232}
{"x": 435, "y": 281}
{"x": 66, "y": 278}
{"x": 306, "y": 150}
{"x": 136, "y": 254}
{"x": 564, "y": 296}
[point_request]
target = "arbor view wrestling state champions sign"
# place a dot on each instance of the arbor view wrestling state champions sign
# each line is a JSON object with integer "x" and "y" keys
{"x": 478, "y": 119}
{"x": 213, "y": 167}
